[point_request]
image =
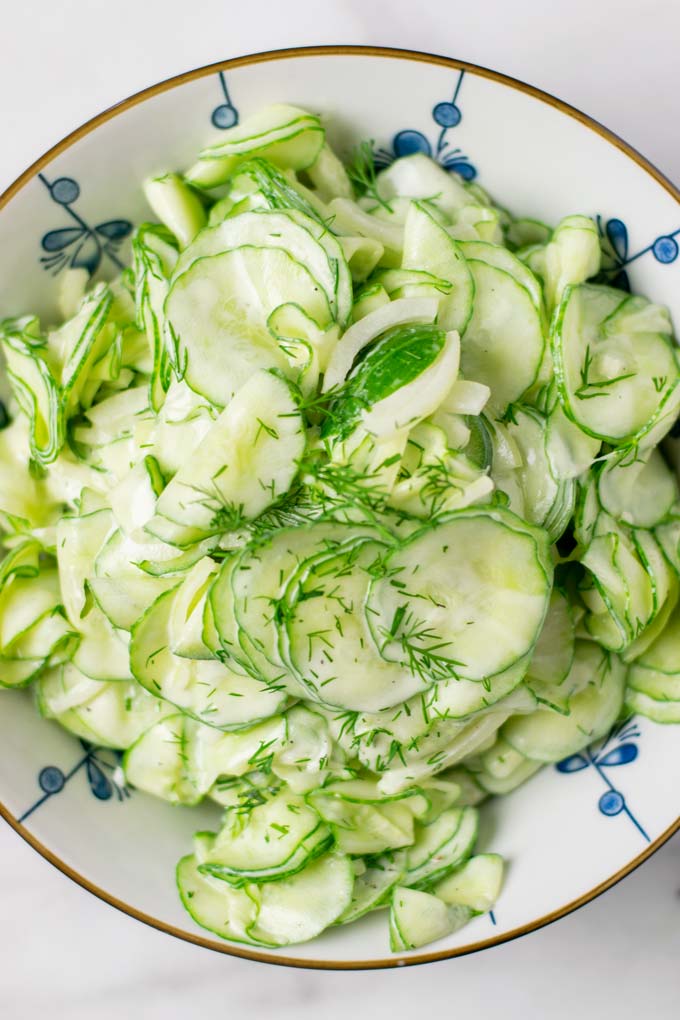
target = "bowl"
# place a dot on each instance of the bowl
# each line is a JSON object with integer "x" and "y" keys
{"x": 574, "y": 829}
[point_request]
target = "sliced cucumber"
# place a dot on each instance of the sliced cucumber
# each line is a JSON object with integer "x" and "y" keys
{"x": 269, "y": 842}
{"x": 658, "y": 710}
{"x": 177, "y": 206}
{"x": 108, "y": 714}
{"x": 428, "y": 247}
{"x": 441, "y": 846}
{"x": 637, "y": 490}
{"x": 475, "y": 884}
{"x": 663, "y": 655}
{"x": 297, "y": 909}
{"x": 504, "y": 320}
{"x": 465, "y": 598}
{"x": 220, "y": 908}
{"x": 232, "y": 295}
{"x": 612, "y": 384}
{"x": 498, "y": 256}
{"x": 418, "y": 918}
{"x": 246, "y": 461}
{"x": 285, "y": 135}
{"x": 205, "y": 689}
{"x": 548, "y": 736}
{"x": 553, "y": 655}
{"x": 372, "y": 887}
{"x": 329, "y": 643}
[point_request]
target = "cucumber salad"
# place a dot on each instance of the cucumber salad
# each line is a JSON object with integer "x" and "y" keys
{"x": 345, "y": 507}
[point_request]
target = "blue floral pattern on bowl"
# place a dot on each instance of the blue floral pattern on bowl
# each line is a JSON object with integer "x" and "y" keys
{"x": 617, "y": 749}
{"x": 79, "y": 246}
{"x": 614, "y": 236}
{"x": 225, "y": 115}
{"x": 447, "y": 115}
{"x": 102, "y": 768}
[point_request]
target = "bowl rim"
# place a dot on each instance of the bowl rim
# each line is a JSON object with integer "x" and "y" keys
{"x": 193, "y": 75}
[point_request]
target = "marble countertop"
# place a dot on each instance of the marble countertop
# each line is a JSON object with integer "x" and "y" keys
{"x": 66, "y": 955}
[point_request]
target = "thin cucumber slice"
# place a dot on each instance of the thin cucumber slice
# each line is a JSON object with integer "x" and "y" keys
{"x": 365, "y": 822}
{"x": 362, "y": 255}
{"x": 107, "y": 714}
{"x": 297, "y": 909}
{"x": 639, "y": 491}
{"x": 501, "y": 760}
{"x": 207, "y": 690}
{"x": 571, "y": 255}
{"x": 246, "y": 461}
{"x": 259, "y": 579}
{"x": 663, "y": 655}
{"x": 306, "y": 753}
{"x": 504, "y": 320}
{"x": 553, "y": 655}
{"x": 219, "y": 624}
{"x": 475, "y": 884}
{"x": 623, "y": 585}
{"x": 122, "y": 600}
{"x": 373, "y": 886}
{"x": 285, "y": 135}
{"x": 418, "y": 177}
{"x": 177, "y": 206}
{"x": 25, "y": 601}
{"x": 102, "y": 652}
{"x": 649, "y": 635}
{"x": 613, "y": 385}
{"x": 79, "y": 540}
{"x": 133, "y": 499}
{"x": 547, "y": 501}
{"x": 658, "y": 711}
{"x": 329, "y": 643}
{"x": 349, "y": 218}
{"x": 185, "y": 626}
{"x": 469, "y": 599}
{"x": 653, "y": 683}
{"x": 216, "y": 906}
{"x": 232, "y": 295}
{"x": 498, "y": 256}
{"x": 570, "y": 451}
{"x": 20, "y": 673}
{"x": 419, "y": 918}
{"x": 272, "y": 841}
{"x": 365, "y": 828}
{"x": 548, "y": 736}
{"x": 441, "y": 846}
{"x": 525, "y": 231}
{"x": 427, "y": 246}
{"x": 159, "y": 762}
{"x": 292, "y": 231}
{"x": 499, "y": 786}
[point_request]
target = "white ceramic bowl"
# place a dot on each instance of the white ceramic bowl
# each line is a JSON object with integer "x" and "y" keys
{"x": 573, "y": 830}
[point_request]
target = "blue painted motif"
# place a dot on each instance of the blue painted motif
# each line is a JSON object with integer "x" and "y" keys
{"x": 619, "y": 748}
{"x": 101, "y": 769}
{"x": 614, "y": 235}
{"x": 225, "y": 115}
{"x": 79, "y": 246}
{"x": 446, "y": 115}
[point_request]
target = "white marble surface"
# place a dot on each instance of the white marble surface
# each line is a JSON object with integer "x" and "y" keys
{"x": 63, "y": 954}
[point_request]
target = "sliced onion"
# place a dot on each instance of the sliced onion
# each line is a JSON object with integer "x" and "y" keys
{"x": 416, "y": 400}
{"x": 467, "y": 397}
{"x": 396, "y": 313}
